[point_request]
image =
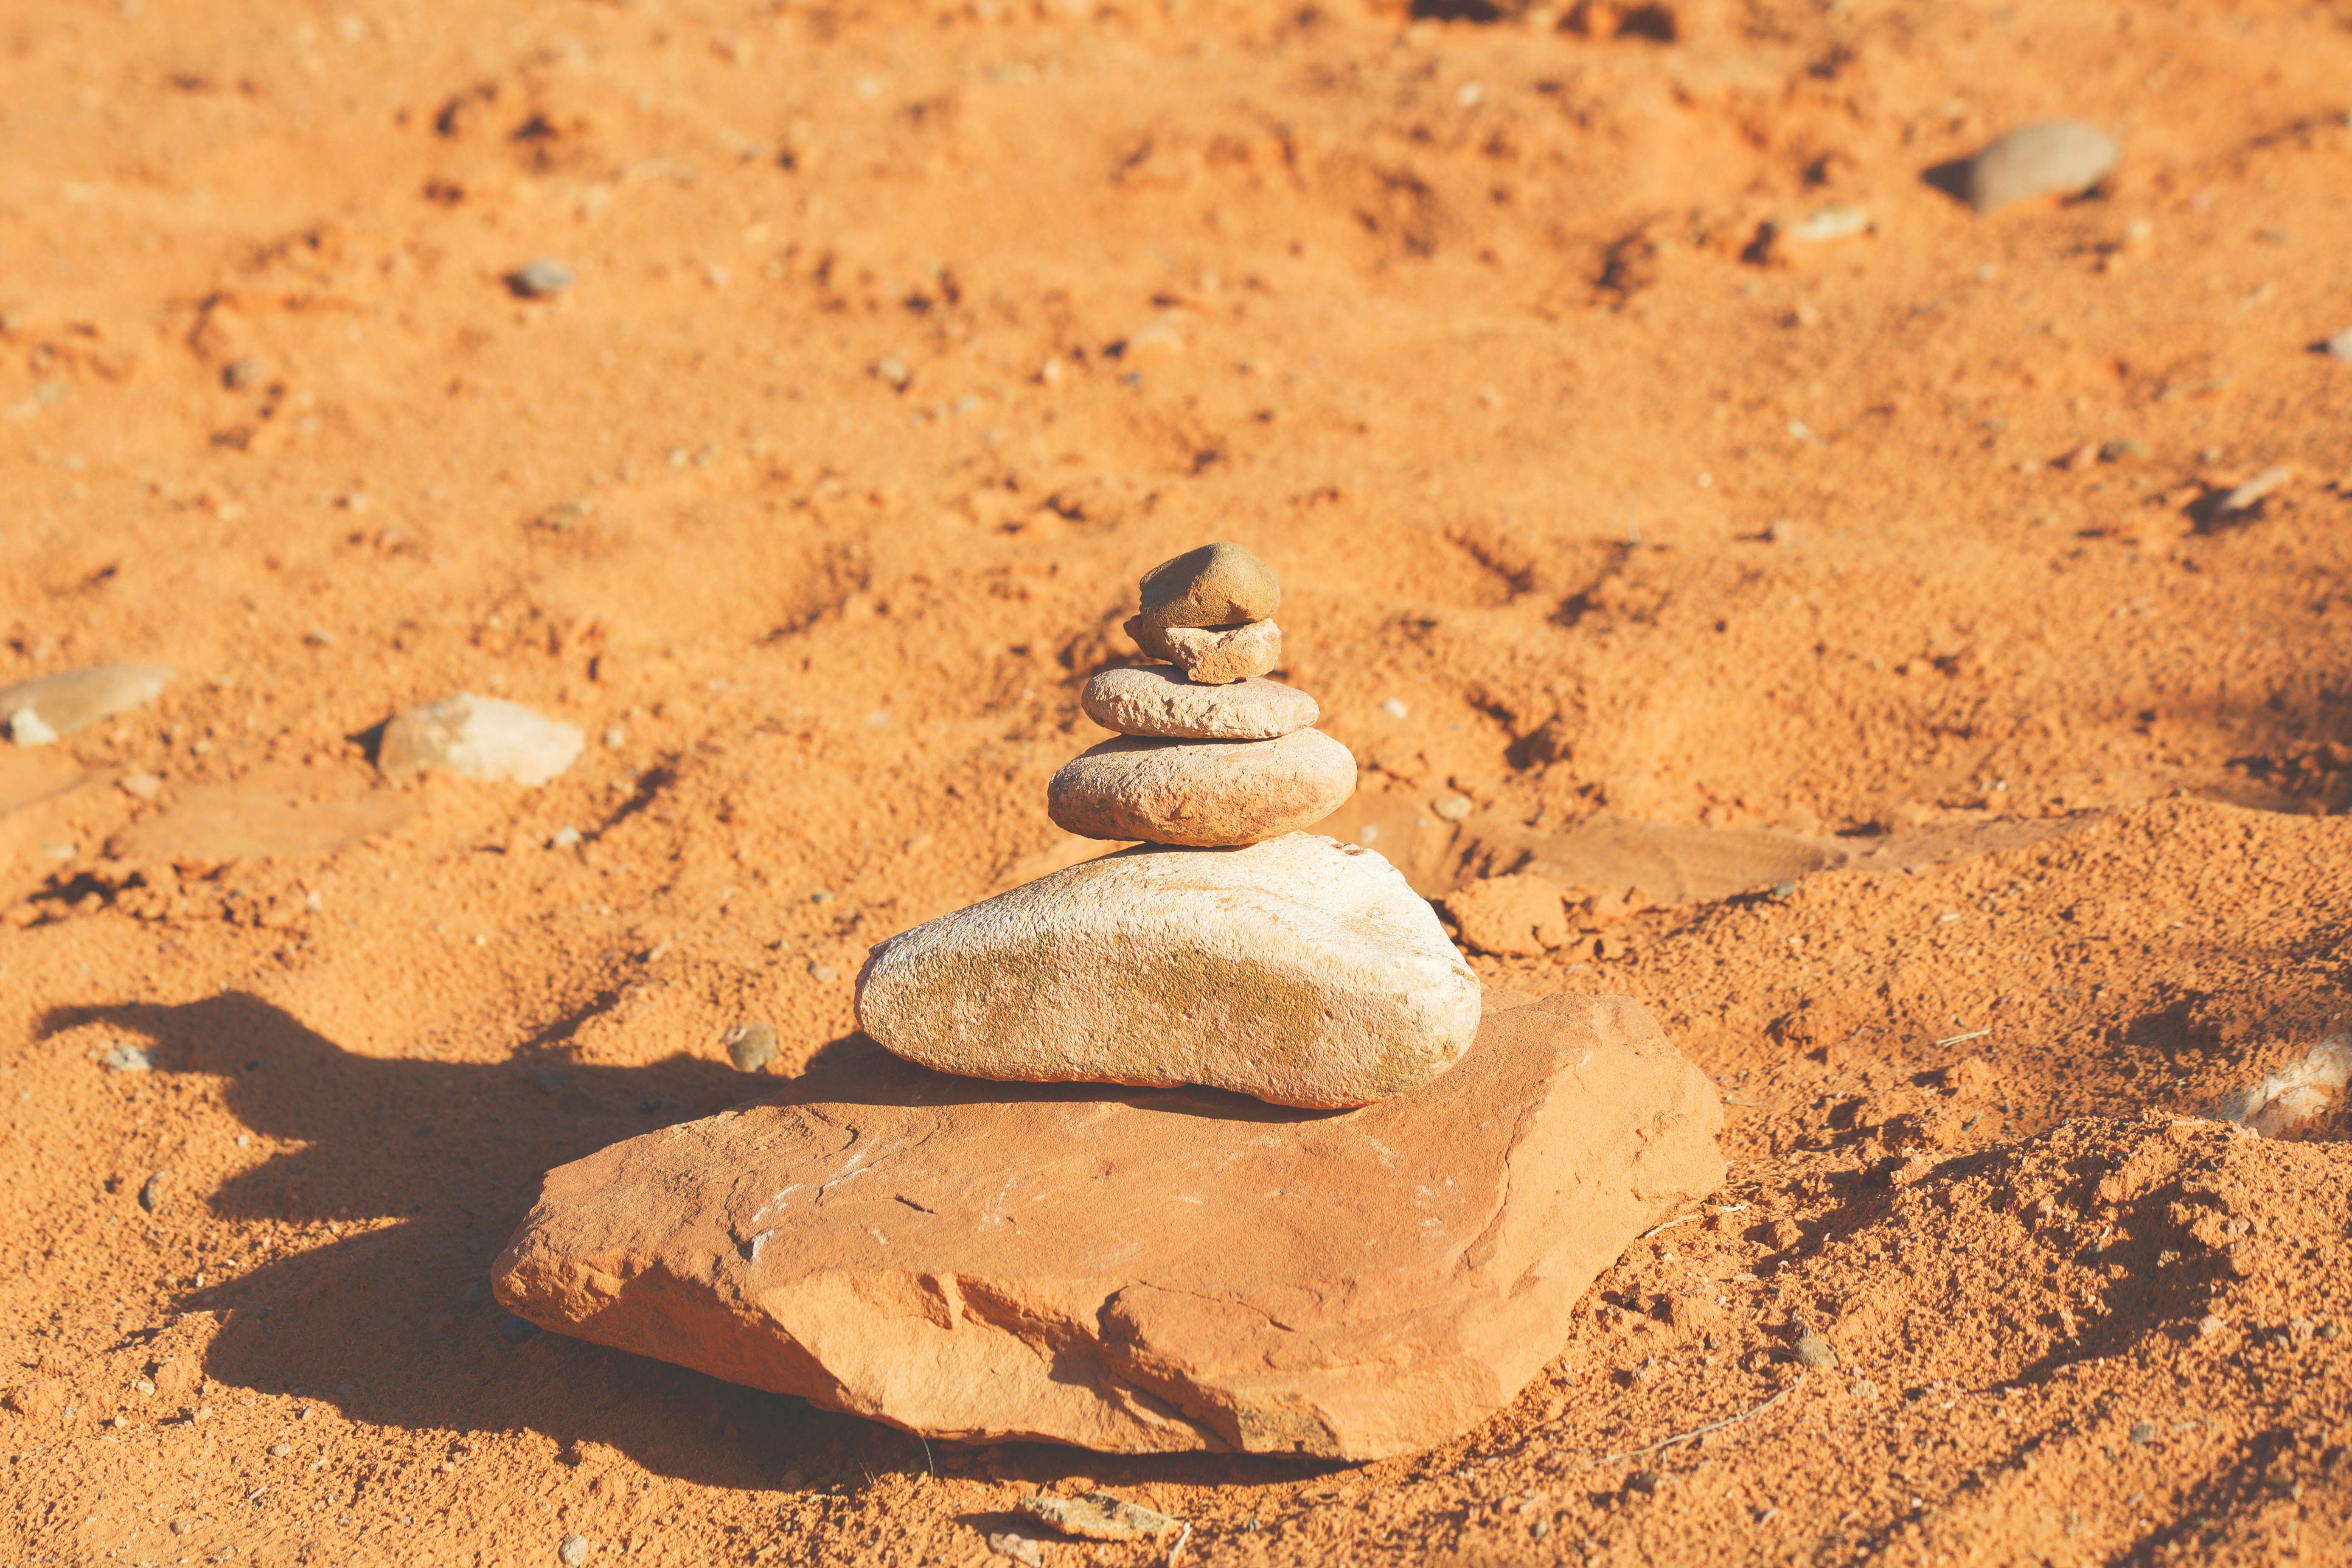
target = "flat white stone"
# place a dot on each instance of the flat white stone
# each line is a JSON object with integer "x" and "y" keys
{"x": 481, "y": 738}
{"x": 1156, "y": 700}
{"x": 36, "y": 712}
{"x": 2051, "y": 157}
{"x": 1300, "y": 971}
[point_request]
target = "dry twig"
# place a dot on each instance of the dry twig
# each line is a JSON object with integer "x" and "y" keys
{"x": 1703, "y": 1431}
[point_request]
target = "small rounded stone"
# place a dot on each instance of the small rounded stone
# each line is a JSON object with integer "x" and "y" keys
{"x": 1158, "y": 701}
{"x": 1206, "y": 794}
{"x": 2048, "y": 158}
{"x": 1219, "y": 585}
{"x": 1212, "y": 655}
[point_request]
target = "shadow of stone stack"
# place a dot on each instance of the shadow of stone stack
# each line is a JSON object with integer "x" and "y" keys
{"x": 1342, "y": 1205}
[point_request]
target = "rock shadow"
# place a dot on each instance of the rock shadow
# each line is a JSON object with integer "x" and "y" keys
{"x": 392, "y": 1323}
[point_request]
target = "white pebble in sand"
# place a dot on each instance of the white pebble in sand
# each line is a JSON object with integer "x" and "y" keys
{"x": 479, "y": 738}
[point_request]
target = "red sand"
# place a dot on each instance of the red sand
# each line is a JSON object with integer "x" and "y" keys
{"x": 902, "y": 339}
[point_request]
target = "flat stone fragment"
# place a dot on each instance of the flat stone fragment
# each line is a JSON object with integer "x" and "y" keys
{"x": 1154, "y": 1272}
{"x": 2044, "y": 159}
{"x": 36, "y": 712}
{"x": 1212, "y": 655}
{"x": 1098, "y": 1516}
{"x": 1153, "y": 700}
{"x": 479, "y": 738}
{"x": 1301, "y": 971}
{"x": 1215, "y": 585}
{"x": 1201, "y": 793}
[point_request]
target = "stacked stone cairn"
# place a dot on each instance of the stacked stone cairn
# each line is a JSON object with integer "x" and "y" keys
{"x": 1226, "y": 949}
{"x": 1157, "y": 1269}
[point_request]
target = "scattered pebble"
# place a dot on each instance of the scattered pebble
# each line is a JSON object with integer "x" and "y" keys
{"x": 541, "y": 279}
{"x": 565, "y": 837}
{"x": 1393, "y": 709}
{"x": 246, "y": 372}
{"x": 36, "y": 712}
{"x": 279, "y": 1450}
{"x": 893, "y": 370}
{"x": 1020, "y": 1548}
{"x": 573, "y": 1551}
{"x": 140, "y": 786}
{"x": 2243, "y": 497}
{"x": 1815, "y": 1352}
{"x": 127, "y": 1058}
{"x": 617, "y": 737}
{"x": 1453, "y": 808}
{"x": 150, "y": 1194}
{"x": 479, "y": 738}
{"x": 2142, "y": 1431}
{"x": 2209, "y": 1325}
{"x": 751, "y": 1047}
{"x": 823, "y": 972}
{"x": 2340, "y": 345}
{"x": 2051, "y": 157}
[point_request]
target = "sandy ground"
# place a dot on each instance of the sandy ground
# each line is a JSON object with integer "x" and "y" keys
{"x": 1891, "y": 573}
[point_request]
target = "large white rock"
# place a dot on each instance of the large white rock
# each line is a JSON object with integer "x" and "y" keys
{"x": 1205, "y": 793}
{"x": 1156, "y": 700}
{"x": 1300, "y": 971}
{"x": 479, "y": 738}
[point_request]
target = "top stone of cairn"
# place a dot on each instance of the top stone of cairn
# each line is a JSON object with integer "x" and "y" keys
{"x": 1218, "y": 584}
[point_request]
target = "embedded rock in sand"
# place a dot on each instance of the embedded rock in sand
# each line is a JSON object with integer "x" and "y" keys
{"x": 36, "y": 712}
{"x": 1216, "y": 585}
{"x": 2050, "y": 158}
{"x": 1201, "y": 793}
{"x": 1161, "y": 1271}
{"x": 1153, "y": 700}
{"x": 1212, "y": 655}
{"x": 1302, "y": 972}
{"x": 479, "y": 738}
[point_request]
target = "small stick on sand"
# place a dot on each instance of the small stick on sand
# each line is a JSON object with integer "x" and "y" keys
{"x": 1703, "y": 1431}
{"x": 1179, "y": 1543}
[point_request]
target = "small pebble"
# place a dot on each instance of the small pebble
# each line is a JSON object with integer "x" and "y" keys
{"x": 2209, "y": 1325}
{"x": 2340, "y": 345}
{"x": 1815, "y": 1352}
{"x": 2050, "y": 158}
{"x": 1453, "y": 808}
{"x": 2244, "y": 496}
{"x": 1393, "y": 709}
{"x": 127, "y": 1058}
{"x": 151, "y": 1195}
{"x": 140, "y": 786}
{"x": 279, "y": 1450}
{"x": 823, "y": 972}
{"x": 479, "y": 738}
{"x": 1020, "y": 1548}
{"x": 241, "y": 374}
{"x": 565, "y": 837}
{"x": 572, "y": 1552}
{"x": 751, "y": 1047}
{"x": 2142, "y": 1431}
{"x": 617, "y": 737}
{"x": 893, "y": 370}
{"x": 539, "y": 279}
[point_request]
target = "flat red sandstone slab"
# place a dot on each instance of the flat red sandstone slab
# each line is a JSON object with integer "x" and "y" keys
{"x": 1138, "y": 1270}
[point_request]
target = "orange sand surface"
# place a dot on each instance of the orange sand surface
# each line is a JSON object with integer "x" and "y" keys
{"x": 1860, "y": 626}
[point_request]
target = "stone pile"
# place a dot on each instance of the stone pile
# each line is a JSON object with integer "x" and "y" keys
{"x": 1161, "y": 1267}
{"x": 1228, "y": 949}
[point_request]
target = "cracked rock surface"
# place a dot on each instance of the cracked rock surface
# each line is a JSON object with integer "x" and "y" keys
{"x": 1139, "y": 1271}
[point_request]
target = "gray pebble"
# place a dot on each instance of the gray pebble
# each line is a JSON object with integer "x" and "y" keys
{"x": 751, "y": 1047}
{"x": 541, "y": 279}
{"x": 2142, "y": 1431}
{"x": 151, "y": 1195}
{"x": 1815, "y": 1352}
{"x": 128, "y": 1059}
{"x": 2045, "y": 159}
{"x": 572, "y": 1552}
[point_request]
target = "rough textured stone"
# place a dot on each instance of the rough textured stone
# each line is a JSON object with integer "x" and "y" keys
{"x": 1215, "y": 585}
{"x": 479, "y": 738}
{"x": 1098, "y": 1516}
{"x": 1511, "y": 917}
{"x": 1300, "y": 971}
{"x": 2055, "y": 156}
{"x": 1154, "y": 699}
{"x": 1158, "y": 1271}
{"x": 36, "y": 712}
{"x": 1202, "y": 792}
{"x": 1212, "y": 655}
